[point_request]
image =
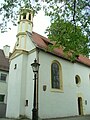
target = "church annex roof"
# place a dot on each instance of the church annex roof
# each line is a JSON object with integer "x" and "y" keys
{"x": 4, "y": 62}
{"x": 42, "y": 43}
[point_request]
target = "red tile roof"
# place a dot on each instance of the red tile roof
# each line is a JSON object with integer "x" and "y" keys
{"x": 4, "y": 62}
{"x": 43, "y": 42}
{"x": 84, "y": 60}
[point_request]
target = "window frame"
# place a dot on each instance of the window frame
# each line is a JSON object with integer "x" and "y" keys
{"x": 60, "y": 77}
{"x": 2, "y": 101}
{"x": 3, "y": 75}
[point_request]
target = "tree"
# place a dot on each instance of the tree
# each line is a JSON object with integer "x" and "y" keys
{"x": 9, "y": 11}
{"x": 75, "y": 11}
{"x": 71, "y": 39}
{"x": 72, "y": 14}
{"x": 70, "y": 25}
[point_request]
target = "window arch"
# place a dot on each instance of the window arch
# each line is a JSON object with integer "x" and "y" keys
{"x": 56, "y": 75}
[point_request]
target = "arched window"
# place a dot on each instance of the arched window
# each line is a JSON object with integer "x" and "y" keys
{"x": 24, "y": 16}
{"x": 29, "y": 16}
{"x": 56, "y": 75}
{"x": 77, "y": 79}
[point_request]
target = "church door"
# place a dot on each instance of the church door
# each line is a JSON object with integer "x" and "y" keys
{"x": 80, "y": 106}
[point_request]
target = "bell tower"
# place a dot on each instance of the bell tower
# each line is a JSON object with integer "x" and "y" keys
{"x": 25, "y": 23}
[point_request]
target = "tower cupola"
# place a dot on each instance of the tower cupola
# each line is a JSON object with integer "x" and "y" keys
{"x": 25, "y": 23}
{"x": 25, "y": 20}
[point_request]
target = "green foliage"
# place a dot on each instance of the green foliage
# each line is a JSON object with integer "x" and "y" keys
{"x": 64, "y": 35}
{"x": 75, "y": 11}
{"x": 70, "y": 25}
{"x": 9, "y": 11}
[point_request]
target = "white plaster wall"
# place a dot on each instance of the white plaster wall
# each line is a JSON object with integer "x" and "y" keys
{"x": 23, "y": 84}
{"x": 29, "y": 85}
{"x": 29, "y": 27}
{"x": 54, "y": 104}
{"x": 29, "y": 44}
{"x": 22, "y": 42}
{"x": 15, "y": 88}
{"x": 82, "y": 90}
{"x": 23, "y": 26}
{"x": 20, "y": 86}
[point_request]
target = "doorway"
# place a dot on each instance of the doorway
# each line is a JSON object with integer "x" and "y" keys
{"x": 2, "y": 110}
{"x": 80, "y": 106}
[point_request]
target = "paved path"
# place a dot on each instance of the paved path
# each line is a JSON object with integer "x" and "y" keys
{"x": 68, "y": 118}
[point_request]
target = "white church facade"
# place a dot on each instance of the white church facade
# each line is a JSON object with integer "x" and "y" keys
{"x": 63, "y": 86}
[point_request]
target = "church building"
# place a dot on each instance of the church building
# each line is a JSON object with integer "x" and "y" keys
{"x": 63, "y": 87}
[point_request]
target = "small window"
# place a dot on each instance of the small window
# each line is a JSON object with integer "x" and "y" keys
{"x": 56, "y": 77}
{"x": 26, "y": 103}
{"x": 77, "y": 79}
{"x": 2, "y": 98}
{"x": 24, "y": 16}
{"x": 29, "y": 16}
{"x": 3, "y": 77}
{"x": 15, "y": 67}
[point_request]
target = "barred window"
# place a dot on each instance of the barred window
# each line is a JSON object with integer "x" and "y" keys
{"x": 3, "y": 77}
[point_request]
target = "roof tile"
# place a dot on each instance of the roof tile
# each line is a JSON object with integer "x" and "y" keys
{"x": 43, "y": 42}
